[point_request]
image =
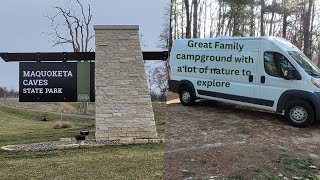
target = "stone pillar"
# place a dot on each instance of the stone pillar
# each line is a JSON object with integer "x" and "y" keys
{"x": 123, "y": 104}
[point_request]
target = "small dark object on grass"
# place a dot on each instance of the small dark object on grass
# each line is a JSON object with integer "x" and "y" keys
{"x": 44, "y": 119}
{"x": 80, "y": 137}
{"x": 62, "y": 125}
{"x": 84, "y": 132}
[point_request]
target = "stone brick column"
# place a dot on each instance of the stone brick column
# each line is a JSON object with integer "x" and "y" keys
{"x": 123, "y": 104}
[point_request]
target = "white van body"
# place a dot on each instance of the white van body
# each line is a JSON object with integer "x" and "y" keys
{"x": 262, "y": 72}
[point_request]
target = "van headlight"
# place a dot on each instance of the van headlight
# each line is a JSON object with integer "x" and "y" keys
{"x": 315, "y": 82}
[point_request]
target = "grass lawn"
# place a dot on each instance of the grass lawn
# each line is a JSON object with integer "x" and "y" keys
{"x": 22, "y": 127}
{"x": 116, "y": 162}
{"x": 112, "y": 162}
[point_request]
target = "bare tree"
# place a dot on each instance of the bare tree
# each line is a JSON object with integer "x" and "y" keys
{"x": 75, "y": 29}
{"x": 166, "y": 35}
{"x": 157, "y": 72}
{"x": 160, "y": 80}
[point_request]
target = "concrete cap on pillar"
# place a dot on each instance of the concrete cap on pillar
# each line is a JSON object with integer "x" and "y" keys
{"x": 116, "y": 27}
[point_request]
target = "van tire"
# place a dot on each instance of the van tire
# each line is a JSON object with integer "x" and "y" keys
{"x": 187, "y": 95}
{"x": 299, "y": 113}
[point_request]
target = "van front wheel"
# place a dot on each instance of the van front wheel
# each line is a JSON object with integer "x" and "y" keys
{"x": 299, "y": 114}
{"x": 187, "y": 96}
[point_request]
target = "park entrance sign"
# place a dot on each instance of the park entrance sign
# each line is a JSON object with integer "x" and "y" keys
{"x": 56, "y": 82}
{"x": 55, "y": 76}
{"x": 47, "y": 82}
{"x": 116, "y": 81}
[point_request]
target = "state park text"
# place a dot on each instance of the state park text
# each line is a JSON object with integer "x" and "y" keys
{"x": 30, "y": 83}
{"x": 56, "y": 81}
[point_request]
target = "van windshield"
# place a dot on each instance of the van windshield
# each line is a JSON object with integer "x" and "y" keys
{"x": 305, "y": 63}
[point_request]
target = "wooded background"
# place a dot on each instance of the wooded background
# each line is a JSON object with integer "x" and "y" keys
{"x": 294, "y": 20}
{"x": 4, "y": 92}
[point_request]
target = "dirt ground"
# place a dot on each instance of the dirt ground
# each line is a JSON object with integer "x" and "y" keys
{"x": 214, "y": 140}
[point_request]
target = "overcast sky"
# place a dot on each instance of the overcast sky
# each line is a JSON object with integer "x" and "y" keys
{"x": 23, "y": 25}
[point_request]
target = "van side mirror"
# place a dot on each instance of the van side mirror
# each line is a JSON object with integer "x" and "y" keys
{"x": 291, "y": 74}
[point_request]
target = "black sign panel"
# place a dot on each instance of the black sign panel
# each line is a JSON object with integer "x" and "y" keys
{"x": 48, "y": 82}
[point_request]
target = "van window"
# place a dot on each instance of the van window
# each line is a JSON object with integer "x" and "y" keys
{"x": 305, "y": 63}
{"x": 275, "y": 63}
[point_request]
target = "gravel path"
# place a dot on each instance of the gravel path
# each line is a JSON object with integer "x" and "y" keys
{"x": 57, "y": 145}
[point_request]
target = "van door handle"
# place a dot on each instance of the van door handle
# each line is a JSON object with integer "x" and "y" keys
{"x": 262, "y": 79}
{"x": 250, "y": 78}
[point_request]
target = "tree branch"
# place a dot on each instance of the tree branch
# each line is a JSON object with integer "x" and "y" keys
{"x": 79, "y": 33}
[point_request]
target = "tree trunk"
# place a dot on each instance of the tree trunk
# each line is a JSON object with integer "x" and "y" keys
{"x": 200, "y": 16}
{"x": 219, "y": 19}
{"x": 285, "y": 21}
{"x": 195, "y": 19}
{"x": 312, "y": 27}
{"x": 271, "y": 24}
{"x": 271, "y": 20}
{"x": 170, "y": 27}
{"x": 205, "y": 19}
{"x": 228, "y": 27}
{"x": 295, "y": 35}
{"x": 284, "y": 25}
{"x": 306, "y": 32}
{"x": 188, "y": 27}
{"x": 262, "y": 17}
{"x": 272, "y": 9}
{"x": 236, "y": 21}
{"x": 224, "y": 9}
{"x": 182, "y": 20}
{"x": 175, "y": 19}
{"x": 211, "y": 20}
{"x": 252, "y": 20}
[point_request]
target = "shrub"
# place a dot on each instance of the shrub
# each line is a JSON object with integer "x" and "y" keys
{"x": 62, "y": 125}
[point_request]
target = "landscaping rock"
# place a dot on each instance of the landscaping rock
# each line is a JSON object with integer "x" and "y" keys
{"x": 52, "y": 145}
{"x": 296, "y": 178}
{"x": 66, "y": 139}
{"x": 313, "y": 167}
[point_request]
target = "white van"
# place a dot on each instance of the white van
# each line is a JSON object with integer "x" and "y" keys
{"x": 262, "y": 72}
